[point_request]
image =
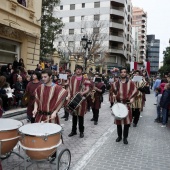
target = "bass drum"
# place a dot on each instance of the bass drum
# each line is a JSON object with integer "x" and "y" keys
{"x": 8, "y": 134}
{"x": 119, "y": 111}
{"x": 40, "y": 140}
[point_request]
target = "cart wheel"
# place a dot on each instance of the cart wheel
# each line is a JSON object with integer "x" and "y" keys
{"x": 64, "y": 159}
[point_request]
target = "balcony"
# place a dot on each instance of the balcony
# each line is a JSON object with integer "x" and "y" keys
{"x": 117, "y": 11}
{"x": 118, "y": 38}
{"x": 117, "y": 25}
{"x": 116, "y": 50}
{"x": 122, "y": 2}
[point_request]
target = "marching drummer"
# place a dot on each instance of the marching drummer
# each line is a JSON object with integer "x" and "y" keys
{"x": 124, "y": 91}
{"x": 78, "y": 84}
{"x": 49, "y": 98}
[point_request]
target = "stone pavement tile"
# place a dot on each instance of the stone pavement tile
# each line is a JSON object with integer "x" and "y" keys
{"x": 148, "y": 148}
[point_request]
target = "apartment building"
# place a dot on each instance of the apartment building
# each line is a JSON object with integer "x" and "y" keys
{"x": 139, "y": 22}
{"x": 153, "y": 50}
{"x": 20, "y": 31}
{"x": 110, "y": 20}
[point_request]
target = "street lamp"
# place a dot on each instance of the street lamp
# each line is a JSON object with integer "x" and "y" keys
{"x": 86, "y": 45}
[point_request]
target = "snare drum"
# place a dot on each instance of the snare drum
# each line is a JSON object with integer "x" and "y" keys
{"x": 8, "y": 134}
{"x": 40, "y": 140}
{"x": 119, "y": 111}
{"x": 74, "y": 103}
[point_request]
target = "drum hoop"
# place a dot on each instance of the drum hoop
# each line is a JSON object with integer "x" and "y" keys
{"x": 40, "y": 149}
{"x": 44, "y": 135}
{"x": 20, "y": 130}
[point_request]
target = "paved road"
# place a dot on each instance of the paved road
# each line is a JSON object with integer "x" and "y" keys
{"x": 148, "y": 149}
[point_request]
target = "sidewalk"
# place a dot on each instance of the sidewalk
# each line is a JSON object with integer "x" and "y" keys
{"x": 148, "y": 148}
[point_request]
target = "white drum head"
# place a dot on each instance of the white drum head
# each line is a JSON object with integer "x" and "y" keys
{"x": 40, "y": 129}
{"x": 119, "y": 110}
{"x": 9, "y": 124}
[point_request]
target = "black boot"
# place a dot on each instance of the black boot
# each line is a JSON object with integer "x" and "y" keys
{"x": 81, "y": 135}
{"x": 72, "y": 134}
{"x": 118, "y": 139}
{"x": 125, "y": 141}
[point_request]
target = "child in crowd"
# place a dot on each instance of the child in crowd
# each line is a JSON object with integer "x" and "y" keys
{"x": 158, "y": 98}
{"x": 164, "y": 104}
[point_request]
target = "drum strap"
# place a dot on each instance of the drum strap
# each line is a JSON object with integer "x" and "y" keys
{"x": 81, "y": 84}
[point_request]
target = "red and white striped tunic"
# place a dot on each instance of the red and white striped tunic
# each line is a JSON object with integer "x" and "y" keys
{"x": 48, "y": 99}
{"x": 79, "y": 85}
{"x": 124, "y": 91}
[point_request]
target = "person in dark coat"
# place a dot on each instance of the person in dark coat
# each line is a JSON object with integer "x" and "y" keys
{"x": 164, "y": 104}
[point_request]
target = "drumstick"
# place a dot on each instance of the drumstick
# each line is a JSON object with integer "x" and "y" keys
{"x": 46, "y": 120}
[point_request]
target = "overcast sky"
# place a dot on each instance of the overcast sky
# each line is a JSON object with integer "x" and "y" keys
{"x": 158, "y": 22}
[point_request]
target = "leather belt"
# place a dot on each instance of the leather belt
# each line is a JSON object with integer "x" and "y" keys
{"x": 44, "y": 113}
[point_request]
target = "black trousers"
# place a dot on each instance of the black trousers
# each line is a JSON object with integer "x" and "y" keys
{"x": 125, "y": 131}
{"x": 80, "y": 121}
{"x": 66, "y": 113}
{"x": 135, "y": 115}
{"x": 95, "y": 114}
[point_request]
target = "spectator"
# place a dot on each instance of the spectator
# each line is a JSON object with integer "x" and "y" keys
{"x": 21, "y": 63}
{"x": 1, "y": 111}
{"x": 19, "y": 90}
{"x": 3, "y": 95}
{"x": 15, "y": 63}
{"x": 42, "y": 64}
{"x": 164, "y": 103}
{"x": 54, "y": 67}
{"x": 162, "y": 85}
{"x": 157, "y": 83}
{"x": 159, "y": 95}
{"x": 39, "y": 68}
{"x": 23, "y": 73}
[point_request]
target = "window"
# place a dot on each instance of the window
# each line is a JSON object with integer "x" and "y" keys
{"x": 71, "y": 31}
{"x": 83, "y": 5}
{"x": 71, "y": 19}
{"x": 96, "y": 17}
{"x": 96, "y": 30}
{"x": 72, "y": 7}
{"x": 61, "y": 7}
{"x": 82, "y": 30}
{"x": 71, "y": 43}
{"x": 82, "y": 17}
{"x": 59, "y": 43}
{"x": 96, "y": 4}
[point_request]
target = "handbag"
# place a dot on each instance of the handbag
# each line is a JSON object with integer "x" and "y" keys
{"x": 25, "y": 99}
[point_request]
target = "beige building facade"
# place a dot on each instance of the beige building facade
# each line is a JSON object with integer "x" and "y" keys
{"x": 139, "y": 21}
{"x": 20, "y": 28}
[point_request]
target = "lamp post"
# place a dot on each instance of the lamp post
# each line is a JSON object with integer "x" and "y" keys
{"x": 86, "y": 45}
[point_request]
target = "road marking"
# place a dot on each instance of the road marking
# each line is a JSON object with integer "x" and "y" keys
{"x": 81, "y": 164}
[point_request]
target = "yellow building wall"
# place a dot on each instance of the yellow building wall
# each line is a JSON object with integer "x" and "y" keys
{"x": 20, "y": 24}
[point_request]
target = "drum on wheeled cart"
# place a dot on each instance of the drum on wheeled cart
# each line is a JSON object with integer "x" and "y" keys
{"x": 40, "y": 142}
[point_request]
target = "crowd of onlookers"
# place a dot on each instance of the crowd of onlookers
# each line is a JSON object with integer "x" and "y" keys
{"x": 14, "y": 79}
{"x": 162, "y": 93}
